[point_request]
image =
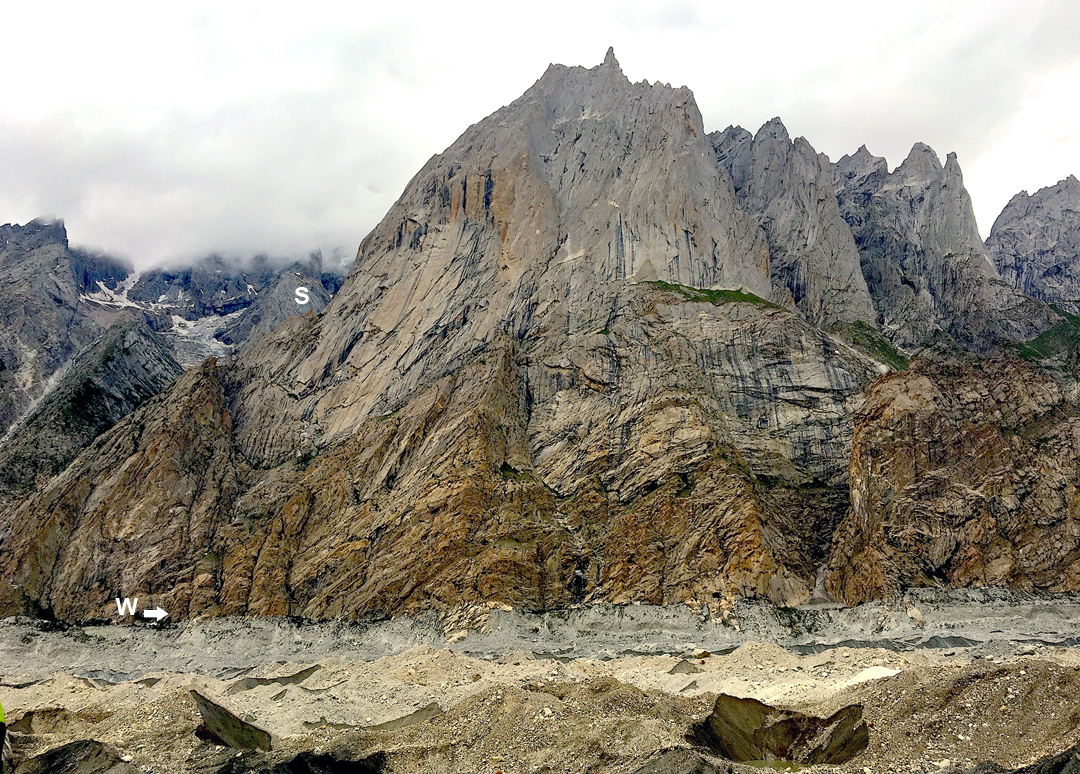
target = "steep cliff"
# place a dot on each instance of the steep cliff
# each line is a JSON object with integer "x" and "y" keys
{"x": 43, "y": 321}
{"x": 584, "y": 358}
{"x": 788, "y": 187}
{"x": 922, "y": 256}
{"x": 1035, "y": 244}
{"x": 962, "y": 473}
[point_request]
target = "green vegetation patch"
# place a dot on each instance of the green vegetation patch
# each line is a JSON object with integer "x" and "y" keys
{"x": 870, "y": 341}
{"x": 714, "y": 297}
{"x": 511, "y": 473}
{"x": 304, "y": 460}
{"x": 1059, "y": 340}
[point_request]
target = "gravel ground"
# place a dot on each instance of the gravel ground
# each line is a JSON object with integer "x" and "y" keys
{"x": 928, "y": 709}
{"x": 593, "y": 690}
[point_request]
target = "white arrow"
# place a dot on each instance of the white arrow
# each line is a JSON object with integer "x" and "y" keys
{"x": 156, "y": 613}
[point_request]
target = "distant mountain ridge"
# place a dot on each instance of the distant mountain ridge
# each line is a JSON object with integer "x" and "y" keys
{"x": 1035, "y": 243}
{"x": 88, "y": 339}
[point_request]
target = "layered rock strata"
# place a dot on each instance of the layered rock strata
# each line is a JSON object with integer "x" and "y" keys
{"x": 559, "y": 372}
{"x": 962, "y": 473}
{"x": 521, "y": 394}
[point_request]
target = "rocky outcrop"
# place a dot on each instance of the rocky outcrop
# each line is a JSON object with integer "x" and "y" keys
{"x": 276, "y": 302}
{"x": 672, "y": 513}
{"x": 962, "y": 473}
{"x": 556, "y": 374}
{"x": 748, "y": 730}
{"x": 1035, "y": 244}
{"x": 788, "y": 187}
{"x": 128, "y": 364}
{"x": 923, "y": 259}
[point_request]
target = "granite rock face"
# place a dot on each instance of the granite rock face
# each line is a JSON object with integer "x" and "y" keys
{"x": 1035, "y": 244}
{"x": 559, "y": 372}
{"x": 923, "y": 259}
{"x": 788, "y": 187}
{"x": 277, "y": 301}
{"x": 532, "y": 381}
{"x": 962, "y": 473}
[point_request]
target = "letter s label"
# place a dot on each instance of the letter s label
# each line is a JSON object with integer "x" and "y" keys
{"x": 302, "y": 295}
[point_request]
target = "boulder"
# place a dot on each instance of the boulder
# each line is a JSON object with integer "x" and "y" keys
{"x": 84, "y": 757}
{"x": 748, "y": 730}
{"x": 221, "y": 726}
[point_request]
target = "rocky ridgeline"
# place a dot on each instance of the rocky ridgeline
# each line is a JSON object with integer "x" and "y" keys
{"x": 592, "y": 354}
{"x": 44, "y": 324}
{"x": 789, "y": 188}
{"x": 924, "y": 262}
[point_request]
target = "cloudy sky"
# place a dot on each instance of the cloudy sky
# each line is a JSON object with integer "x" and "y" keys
{"x": 163, "y": 131}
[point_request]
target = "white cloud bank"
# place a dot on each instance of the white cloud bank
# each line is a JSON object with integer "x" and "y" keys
{"x": 168, "y": 131}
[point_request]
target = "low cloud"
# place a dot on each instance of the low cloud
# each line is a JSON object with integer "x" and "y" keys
{"x": 157, "y": 136}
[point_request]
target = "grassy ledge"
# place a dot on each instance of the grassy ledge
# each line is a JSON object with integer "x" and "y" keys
{"x": 1055, "y": 342}
{"x": 870, "y": 342}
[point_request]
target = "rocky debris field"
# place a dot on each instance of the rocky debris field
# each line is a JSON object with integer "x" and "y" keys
{"x": 434, "y": 707}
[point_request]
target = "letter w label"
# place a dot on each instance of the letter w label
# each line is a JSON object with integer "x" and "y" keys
{"x": 127, "y": 606}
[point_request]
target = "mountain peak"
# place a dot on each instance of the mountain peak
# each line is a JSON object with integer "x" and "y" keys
{"x": 774, "y": 127}
{"x": 610, "y": 60}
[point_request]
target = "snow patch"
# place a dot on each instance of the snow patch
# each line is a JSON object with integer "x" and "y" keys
{"x": 196, "y": 340}
{"x": 110, "y": 297}
{"x": 870, "y": 673}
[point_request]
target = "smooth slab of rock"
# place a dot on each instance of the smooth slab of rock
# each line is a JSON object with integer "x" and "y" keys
{"x": 684, "y": 667}
{"x": 748, "y": 730}
{"x": 684, "y": 762}
{"x": 223, "y": 727}
{"x": 84, "y": 757}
